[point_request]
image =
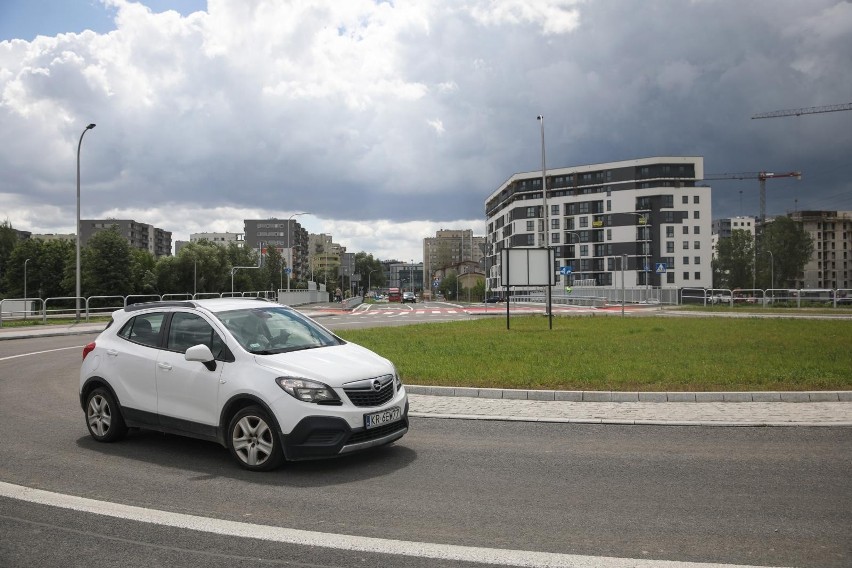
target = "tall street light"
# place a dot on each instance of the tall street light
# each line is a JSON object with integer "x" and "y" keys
{"x": 79, "y": 144}
{"x": 546, "y": 243}
{"x": 25, "y": 287}
{"x": 289, "y": 250}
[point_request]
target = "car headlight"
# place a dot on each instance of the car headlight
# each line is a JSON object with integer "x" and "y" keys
{"x": 397, "y": 380}
{"x": 308, "y": 391}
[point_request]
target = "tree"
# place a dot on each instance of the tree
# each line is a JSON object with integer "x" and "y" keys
{"x": 791, "y": 249}
{"x": 8, "y": 240}
{"x": 272, "y": 271}
{"x": 370, "y": 269}
{"x": 143, "y": 272}
{"x": 734, "y": 260}
{"x": 449, "y": 284}
{"x": 105, "y": 265}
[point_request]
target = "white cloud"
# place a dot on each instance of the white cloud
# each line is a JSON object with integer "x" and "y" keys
{"x": 403, "y": 117}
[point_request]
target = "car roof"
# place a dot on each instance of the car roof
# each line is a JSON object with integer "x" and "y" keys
{"x": 208, "y": 304}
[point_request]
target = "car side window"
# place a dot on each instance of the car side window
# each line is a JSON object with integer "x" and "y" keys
{"x": 188, "y": 329}
{"x": 144, "y": 329}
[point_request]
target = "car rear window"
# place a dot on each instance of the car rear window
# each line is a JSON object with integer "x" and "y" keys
{"x": 144, "y": 329}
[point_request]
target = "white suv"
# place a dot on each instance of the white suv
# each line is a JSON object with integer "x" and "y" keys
{"x": 257, "y": 377}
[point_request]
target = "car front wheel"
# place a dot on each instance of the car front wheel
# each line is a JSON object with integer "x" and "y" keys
{"x": 253, "y": 441}
{"x": 103, "y": 418}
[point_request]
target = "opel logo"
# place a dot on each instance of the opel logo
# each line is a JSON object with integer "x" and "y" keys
{"x": 377, "y": 385}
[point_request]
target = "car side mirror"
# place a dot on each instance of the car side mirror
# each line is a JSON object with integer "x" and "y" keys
{"x": 202, "y": 354}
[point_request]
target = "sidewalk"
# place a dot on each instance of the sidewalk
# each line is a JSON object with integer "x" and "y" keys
{"x": 820, "y": 408}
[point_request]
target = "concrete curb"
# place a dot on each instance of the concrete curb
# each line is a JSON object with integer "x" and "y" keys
{"x": 623, "y": 422}
{"x": 616, "y": 396}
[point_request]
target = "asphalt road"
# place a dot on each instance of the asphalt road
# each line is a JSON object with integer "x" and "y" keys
{"x": 757, "y": 496}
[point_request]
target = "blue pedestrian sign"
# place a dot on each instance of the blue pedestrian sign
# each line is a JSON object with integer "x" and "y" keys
{"x": 565, "y": 270}
{"x": 660, "y": 267}
{"x": 287, "y": 271}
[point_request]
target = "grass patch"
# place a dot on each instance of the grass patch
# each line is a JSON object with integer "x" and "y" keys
{"x": 641, "y": 354}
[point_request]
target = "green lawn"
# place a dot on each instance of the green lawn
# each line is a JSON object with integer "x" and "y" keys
{"x": 611, "y": 353}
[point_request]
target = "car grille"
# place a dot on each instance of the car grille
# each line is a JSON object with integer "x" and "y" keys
{"x": 380, "y": 432}
{"x": 364, "y": 394}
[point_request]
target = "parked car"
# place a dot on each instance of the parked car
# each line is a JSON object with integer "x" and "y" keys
{"x": 409, "y": 297}
{"x": 259, "y": 378}
{"x": 493, "y": 299}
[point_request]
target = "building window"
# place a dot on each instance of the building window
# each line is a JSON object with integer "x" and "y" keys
{"x": 530, "y": 226}
{"x": 685, "y": 230}
{"x": 668, "y": 201}
{"x": 554, "y": 238}
{"x": 609, "y": 234}
{"x": 686, "y": 275}
{"x": 670, "y": 232}
{"x": 697, "y": 245}
{"x": 584, "y": 250}
{"x": 698, "y": 276}
{"x": 584, "y": 222}
{"x": 670, "y": 278}
{"x": 696, "y": 230}
{"x": 554, "y": 224}
{"x": 669, "y": 247}
{"x": 531, "y": 212}
{"x": 686, "y": 260}
{"x": 609, "y": 205}
{"x": 569, "y": 223}
{"x": 697, "y": 260}
{"x": 685, "y": 245}
{"x": 554, "y": 210}
{"x": 685, "y": 199}
{"x": 695, "y": 214}
{"x": 695, "y": 199}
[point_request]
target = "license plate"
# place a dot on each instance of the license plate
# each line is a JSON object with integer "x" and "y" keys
{"x": 377, "y": 419}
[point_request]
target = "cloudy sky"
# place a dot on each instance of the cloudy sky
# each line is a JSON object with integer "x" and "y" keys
{"x": 387, "y": 120}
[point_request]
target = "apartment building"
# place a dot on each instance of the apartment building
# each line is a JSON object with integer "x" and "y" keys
{"x": 831, "y": 263}
{"x": 457, "y": 249}
{"x": 649, "y": 210}
{"x": 724, "y": 228}
{"x": 140, "y": 235}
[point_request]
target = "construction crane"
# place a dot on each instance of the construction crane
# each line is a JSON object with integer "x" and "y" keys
{"x": 801, "y": 111}
{"x": 762, "y": 177}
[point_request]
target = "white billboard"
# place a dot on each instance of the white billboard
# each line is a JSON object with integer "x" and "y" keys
{"x": 527, "y": 267}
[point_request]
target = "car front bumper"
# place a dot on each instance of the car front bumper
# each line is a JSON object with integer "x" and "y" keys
{"x": 317, "y": 437}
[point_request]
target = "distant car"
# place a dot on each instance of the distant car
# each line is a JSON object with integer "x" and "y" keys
{"x": 259, "y": 378}
{"x": 493, "y": 299}
{"x": 409, "y": 297}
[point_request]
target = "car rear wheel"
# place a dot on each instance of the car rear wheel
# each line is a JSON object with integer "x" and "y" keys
{"x": 253, "y": 441}
{"x": 103, "y": 418}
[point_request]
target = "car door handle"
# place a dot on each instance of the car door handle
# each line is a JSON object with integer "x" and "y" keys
{"x": 112, "y": 352}
{"x": 164, "y": 366}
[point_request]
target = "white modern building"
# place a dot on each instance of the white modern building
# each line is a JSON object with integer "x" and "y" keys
{"x": 649, "y": 211}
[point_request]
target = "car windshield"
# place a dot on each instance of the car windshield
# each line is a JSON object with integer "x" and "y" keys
{"x": 275, "y": 329}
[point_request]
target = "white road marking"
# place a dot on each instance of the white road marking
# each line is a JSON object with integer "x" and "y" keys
{"x": 497, "y": 556}
{"x": 40, "y": 352}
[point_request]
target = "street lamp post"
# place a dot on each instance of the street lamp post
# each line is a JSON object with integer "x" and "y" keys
{"x": 643, "y": 221}
{"x": 369, "y": 274}
{"x": 546, "y": 243}
{"x": 77, "y": 289}
{"x": 289, "y": 250}
{"x": 25, "y": 287}
{"x": 772, "y": 272}
{"x": 234, "y": 269}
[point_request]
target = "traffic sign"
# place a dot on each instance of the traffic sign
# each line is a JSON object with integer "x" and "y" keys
{"x": 287, "y": 271}
{"x": 565, "y": 270}
{"x": 660, "y": 267}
